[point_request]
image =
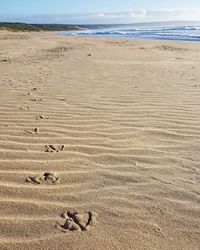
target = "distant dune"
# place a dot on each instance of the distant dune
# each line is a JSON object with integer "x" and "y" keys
{"x": 37, "y": 27}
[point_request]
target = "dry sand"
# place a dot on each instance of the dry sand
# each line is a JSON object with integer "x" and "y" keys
{"x": 118, "y": 122}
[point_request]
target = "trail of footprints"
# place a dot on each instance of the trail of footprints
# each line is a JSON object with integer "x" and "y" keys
{"x": 72, "y": 221}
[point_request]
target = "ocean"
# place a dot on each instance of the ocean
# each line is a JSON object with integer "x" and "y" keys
{"x": 178, "y": 31}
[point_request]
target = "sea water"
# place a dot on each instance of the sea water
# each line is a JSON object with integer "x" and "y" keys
{"x": 157, "y": 31}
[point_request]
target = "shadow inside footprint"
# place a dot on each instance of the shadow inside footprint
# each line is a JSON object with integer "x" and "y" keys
{"x": 46, "y": 178}
{"x": 52, "y": 148}
{"x": 77, "y": 222}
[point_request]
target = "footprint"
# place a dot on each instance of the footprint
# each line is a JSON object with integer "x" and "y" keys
{"x": 27, "y": 94}
{"x": 46, "y": 178}
{"x": 77, "y": 222}
{"x": 52, "y": 148}
{"x": 39, "y": 100}
{"x": 24, "y": 108}
{"x": 62, "y": 99}
{"x": 34, "y": 131}
{"x": 5, "y": 60}
{"x": 41, "y": 117}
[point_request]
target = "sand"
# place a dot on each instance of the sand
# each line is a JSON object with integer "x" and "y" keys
{"x": 99, "y": 143}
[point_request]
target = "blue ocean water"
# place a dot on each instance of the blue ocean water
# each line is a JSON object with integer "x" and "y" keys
{"x": 155, "y": 31}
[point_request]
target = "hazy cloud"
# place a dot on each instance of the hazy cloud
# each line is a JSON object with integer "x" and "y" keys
{"x": 111, "y": 17}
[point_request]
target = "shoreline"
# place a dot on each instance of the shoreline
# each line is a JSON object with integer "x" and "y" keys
{"x": 132, "y": 38}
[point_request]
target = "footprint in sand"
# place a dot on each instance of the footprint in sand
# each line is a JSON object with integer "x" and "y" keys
{"x": 39, "y": 100}
{"x": 77, "y": 222}
{"x": 46, "y": 178}
{"x": 42, "y": 117}
{"x": 24, "y": 108}
{"x": 27, "y": 94}
{"x": 34, "y": 131}
{"x": 5, "y": 60}
{"x": 52, "y": 148}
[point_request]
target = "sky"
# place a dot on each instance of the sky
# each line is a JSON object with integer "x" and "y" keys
{"x": 98, "y": 11}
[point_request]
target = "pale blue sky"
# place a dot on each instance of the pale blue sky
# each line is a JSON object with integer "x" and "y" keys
{"x": 18, "y": 7}
{"x": 98, "y": 11}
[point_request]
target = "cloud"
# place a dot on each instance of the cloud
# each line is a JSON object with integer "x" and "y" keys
{"x": 138, "y": 14}
{"x": 112, "y": 17}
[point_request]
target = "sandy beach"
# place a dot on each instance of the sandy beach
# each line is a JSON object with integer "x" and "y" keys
{"x": 99, "y": 143}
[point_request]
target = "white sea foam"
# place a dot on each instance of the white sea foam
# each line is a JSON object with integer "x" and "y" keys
{"x": 145, "y": 31}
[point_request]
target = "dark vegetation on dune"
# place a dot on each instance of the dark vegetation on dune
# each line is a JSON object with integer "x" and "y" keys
{"x": 37, "y": 27}
{"x": 24, "y": 27}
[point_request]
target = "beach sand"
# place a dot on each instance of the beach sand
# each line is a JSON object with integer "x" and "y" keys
{"x": 108, "y": 129}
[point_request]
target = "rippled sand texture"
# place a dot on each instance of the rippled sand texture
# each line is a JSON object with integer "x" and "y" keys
{"x": 104, "y": 127}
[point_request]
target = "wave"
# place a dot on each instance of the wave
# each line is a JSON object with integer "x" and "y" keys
{"x": 182, "y": 33}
